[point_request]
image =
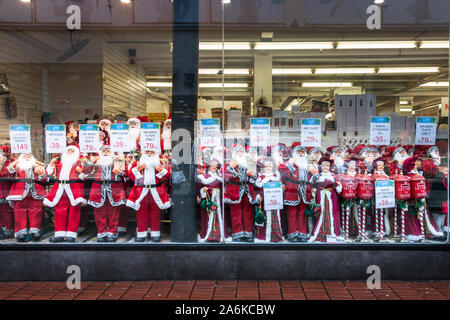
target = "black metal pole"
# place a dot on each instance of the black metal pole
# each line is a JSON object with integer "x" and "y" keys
{"x": 184, "y": 113}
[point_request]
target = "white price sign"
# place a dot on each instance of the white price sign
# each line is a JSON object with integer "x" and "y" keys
{"x": 150, "y": 136}
{"x": 55, "y": 138}
{"x": 311, "y": 135}
{"x": 120, "y": 141}
{"x": 210, "y": 133}
{"x": 273, "y": 196}
{"x": 426, "y": 130}
{"x": 384, "y": 194}
{"x": 259, "y": 132}
{"x": 20, "y": 138}
{"x": 380, "y": 131}
{"x": 89, "y": 138}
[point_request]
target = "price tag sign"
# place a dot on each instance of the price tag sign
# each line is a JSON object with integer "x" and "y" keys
{"x": 120, "y": 141}
{"x": 259, "y": 132}
{"x": 150, "y": 136}
{"x": 384, "y": 194}
{"x": 273, "y": 196}
{"x": 210, "y": 133}
{"x": 311, "y": 135}
{"x": 55, "y": 138}
{"x": 20, "y": 139}
{"x": 380, "y": 130}
{"x": 426, "y": 131}
{"x": 89, "y": 138}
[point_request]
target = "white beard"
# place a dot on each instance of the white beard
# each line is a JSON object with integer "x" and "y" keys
{"x": 339, "y": 162}
{"x": 277, "y": 157}
{"x": 436, "y": 159}
{"x": 69, "y": 159}
{"x": 166, "y": 134}
{"x": 26, "y": 164}
{"x": 242, "y": 161}
{"x": 301, "y": 162}
{"x": 400, "y": 158}
{"x": 150, "y": 161}
{"x": 105, "y": 161}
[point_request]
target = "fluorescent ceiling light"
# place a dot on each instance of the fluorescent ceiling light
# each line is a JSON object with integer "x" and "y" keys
{"x": 435, "y": 84}
{"x": 408, "y": 70}
{"x": 326, "y": 84}
{"x": 226, "y": 85}
{"x": 159, "y": 84}
{"x": 434, "y": 45}
{"x": 379, "y": 1}
{"x": 228, "y": 46}
{"x": 226, "y": 1}
{"x": 344, "y": 70}
{"x": 281, "y": 71}
{"x": 227, "y": 71}
{"x": 125, "y": 1}
{"x": 404, "y": 102}
{"x": 293, "y": 45}
{"x": 405, "y": 110}
{"x": 26, "y": 1}
{"x": 376, "y": 45}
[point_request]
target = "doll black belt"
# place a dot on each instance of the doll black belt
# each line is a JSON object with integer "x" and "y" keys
{"x": 106, "y": 182}
{"x": 302, "y": 183}
{"x": 243, "y": 183}
{"x": 149, "y": 186}
{"x": 63, "y": 182}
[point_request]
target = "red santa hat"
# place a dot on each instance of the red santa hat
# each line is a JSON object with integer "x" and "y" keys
{"x": 409, "y": 163}
{"x": 143, "y": 118}
{"x": 325, "y": 160}
{"x": 297, "y": 146}
{"x": 377, "y": 160}
{"x": 429, "y": 168}
{"x": 388, "y": 152}
{"x": 357, "y": 149}
{"x": 332, "y": 149}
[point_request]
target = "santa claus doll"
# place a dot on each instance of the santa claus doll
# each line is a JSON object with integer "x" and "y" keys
{"x": 297, "y": 193}
{"x": 210, "y": 193}
{"x": 66, "y": 195}
{"x": 366, "y": 156}
{"x": 107, "y": 194}
{"x": 268, "y": 230}
{"x": 314, "y": 155}
{"x": 105, "y": 124}
{"x": 27, "y": 194}
{"x": 399, "y": 155}
{"x": 326, "y": 194}
{"x": 239, "y": 194}
{"x": 338, "y": 157}
{"x": 434, "y": 155}
{"x": 72, "y": 128}
{"x": 6, "y": 213}
{"x": 149, "y": 195}
{"x": 135, "y": 128}
{"x": 166, "y": 135}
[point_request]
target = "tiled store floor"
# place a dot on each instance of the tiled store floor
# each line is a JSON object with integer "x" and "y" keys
{"x": 226, "y": 290}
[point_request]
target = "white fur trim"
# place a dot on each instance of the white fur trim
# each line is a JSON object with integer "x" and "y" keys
{"x": 216, "y": 198}
{"x": 155, "y": 233}
{"x": 429, "y": 225}
{"x": 71, "y": 234}
{"x": 142, "y": 234}
{"x": 202, "y": 193}
{"x": 324, "y": 194}
{"x": 83, "y": 176}
{"x": 161, "y": 174}
{"x": 60, "y": 234}
{"x": 209, "y": 180}
{"x": 11, "y": 169}
{"x": 74, "y": 202}
{"x": 50, "y": 169}
{"x": 136, "y": 173}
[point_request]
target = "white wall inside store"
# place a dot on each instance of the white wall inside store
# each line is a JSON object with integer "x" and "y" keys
{"x": 157, "y": 106}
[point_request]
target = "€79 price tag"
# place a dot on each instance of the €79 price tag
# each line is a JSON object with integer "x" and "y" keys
{"x": 55, "y": 138}
{"x": 119, "y": 137}
{"x": 150, "y": 137}
{"x": 20, "y": 138}
{"x": 426, "y": 130}
{"x": 259, "y": 132}
{"x": 384, "y": 194}
{"x": 210, "y": 133}
{"x": 273, "y": 196}
{"x": 89, "y": 138}
{"x": 380, "y": 130}
{"x": 311, "y": 135}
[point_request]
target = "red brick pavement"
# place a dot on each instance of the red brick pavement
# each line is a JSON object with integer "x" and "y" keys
{"x": 226, "y": 290}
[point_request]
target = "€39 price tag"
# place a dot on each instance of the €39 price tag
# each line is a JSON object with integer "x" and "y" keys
{"x": 384, "y": 194}
{"x": 89, "y": 138}
{"x": 380, "y": 130}
{"x": 259, "y": 132}
{"x": 426, "y": 130}
{"x": 311, "y": 135}
{"x": 273, "y": 196}
{"x": 150, "y": 137}
{"x": 55, "y": 138}
{"x": 20, "y": 138}
{"x": 210, "y": 133}
{"x": 120, "y": 142}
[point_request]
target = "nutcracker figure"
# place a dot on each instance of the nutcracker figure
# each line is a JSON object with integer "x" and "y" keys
{"x": 210, "y": 193}
{"x": 135, "y": 127}
{"x": 149, "y": 195}
{"x": 26, "y": 195}
{"x": 66, "y": 195}
{"x": 107, "y": 194}
{"x": 327, "y": 189}
{"x": 268, "y": 223}
{"x": 297, "y": 193}
{"x": 6, "y": 213}
{"x": 239, "y": 194}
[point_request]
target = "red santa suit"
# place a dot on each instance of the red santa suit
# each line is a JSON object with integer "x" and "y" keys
{"x": 26, "y": 195}
{"x": 239, "y": 194}
{"x": 108, "y": 193}
{"x": 148, "y": 197}
{"x": 6, "y": 212}
{"x": 66, "y": 196}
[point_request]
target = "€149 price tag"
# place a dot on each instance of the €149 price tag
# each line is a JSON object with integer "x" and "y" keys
{"x": 55, "y": 138}
{"x": 119, "y": 137}
{"x": 20, "y": 138}
{"x": 150, "y": 137}
{"x": 259, "y": 132}
{"x": 273, "y": 196}
{"x": 311, "y": 135}
{"x": 426, "y": 131}
{"x": 210, "y": 133}
{"x": 384, "y": 194}
{"x": 380, "y": 130}
{"x": 89, "y": 138}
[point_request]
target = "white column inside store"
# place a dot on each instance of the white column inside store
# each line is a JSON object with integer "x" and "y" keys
{"x": 262, "y": 82}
